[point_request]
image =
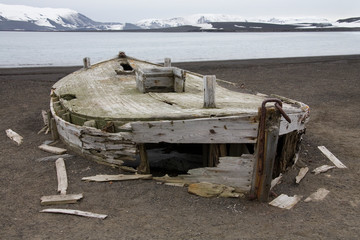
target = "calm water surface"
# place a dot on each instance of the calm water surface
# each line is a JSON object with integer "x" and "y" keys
{"x": 69, "y": 48}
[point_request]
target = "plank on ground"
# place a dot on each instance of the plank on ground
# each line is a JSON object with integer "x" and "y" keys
{"x": 61, "y": 199}
{"x": 331, "y": 157}
{"x": 61, "y": 176}
{"x": 52, "y": 149}
{"x": 74, "y": 212}
{"x": 120, "y": 177}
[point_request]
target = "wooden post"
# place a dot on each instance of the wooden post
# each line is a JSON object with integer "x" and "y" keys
{"x": 86, "y": 63}
{"x": 263, "y": 168}
{"x": 53, "y": 129}
{"x": 144, "y": 167}
{"x": 167, "y": 62}
{"x": 209, "y": 91}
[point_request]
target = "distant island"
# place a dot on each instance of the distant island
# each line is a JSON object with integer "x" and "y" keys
{"x": 26, "y": 18}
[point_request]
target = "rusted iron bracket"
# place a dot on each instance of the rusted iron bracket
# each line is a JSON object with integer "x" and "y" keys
{"x": 265, "y": 150}
{"x": 278, "y": 105}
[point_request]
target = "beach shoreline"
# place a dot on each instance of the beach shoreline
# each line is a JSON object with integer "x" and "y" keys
{"x": 142, "y": 209}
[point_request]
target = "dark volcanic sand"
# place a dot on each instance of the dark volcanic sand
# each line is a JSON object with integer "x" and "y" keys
{"x": 146, "y": 210}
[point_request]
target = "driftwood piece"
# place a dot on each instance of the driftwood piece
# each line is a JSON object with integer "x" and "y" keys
{"x": 120, "y": 177}
{"x": 331, "y": 157}
{"x": 61, "y": 176}
{"x": 319, "y": 195}
{"x": 14, "y": 136}
{"x": 205, "y": 189}
{"x": 284, "y": 201}
{"x": 61, "y": 199}
{"x": 301, "y": 174}
{"x": 54, "y": 157}
{"x": 322, "y": 169}
{"x": 74, "y": 212}
{"x": 52, "y": 149}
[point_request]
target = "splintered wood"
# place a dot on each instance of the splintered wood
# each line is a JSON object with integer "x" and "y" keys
{"x": 14, "y": 136}
{"x": 331, "y": 157}
{"x": 205, "y": 189}
{"x": 120, "y": 177}
{"x": 301, "y": 174}
{"x": 230, "y": 178}
{"x": 74, "y": 212}
{"x": 322, "y": 169}
{"x": 285, "y": 202}
{"x": 319, "y": 195}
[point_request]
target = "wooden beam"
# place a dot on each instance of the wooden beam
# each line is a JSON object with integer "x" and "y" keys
{"x": 74, "y": 212}
{"x": 61, "y": 176}
{"x": 209, "y": 91}
{"x": 144, "y": 167}
{"x": 237, "y": 129}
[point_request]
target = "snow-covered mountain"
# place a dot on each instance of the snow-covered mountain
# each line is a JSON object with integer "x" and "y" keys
{"x": 19, "y": 17}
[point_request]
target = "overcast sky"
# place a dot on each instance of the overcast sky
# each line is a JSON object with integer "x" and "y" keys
{"x": 135, "y": 10}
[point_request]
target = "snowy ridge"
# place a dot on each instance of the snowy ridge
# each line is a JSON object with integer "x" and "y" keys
{"x": 20, "y": 17}
{"x": 197, "y": 19}
{"x": 52, "y": 18}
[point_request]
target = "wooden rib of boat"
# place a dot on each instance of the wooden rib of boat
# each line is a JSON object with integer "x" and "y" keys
{"x": 111, "y": 111}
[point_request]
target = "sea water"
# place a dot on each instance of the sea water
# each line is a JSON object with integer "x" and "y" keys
{"x": 22, "y": 49}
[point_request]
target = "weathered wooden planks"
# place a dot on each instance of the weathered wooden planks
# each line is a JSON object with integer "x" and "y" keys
{"x": 233, "y": 172}
{"x": 242, "y": 129}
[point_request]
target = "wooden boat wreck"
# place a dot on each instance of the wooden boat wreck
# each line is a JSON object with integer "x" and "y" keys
{"x": 116, "y": 111}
